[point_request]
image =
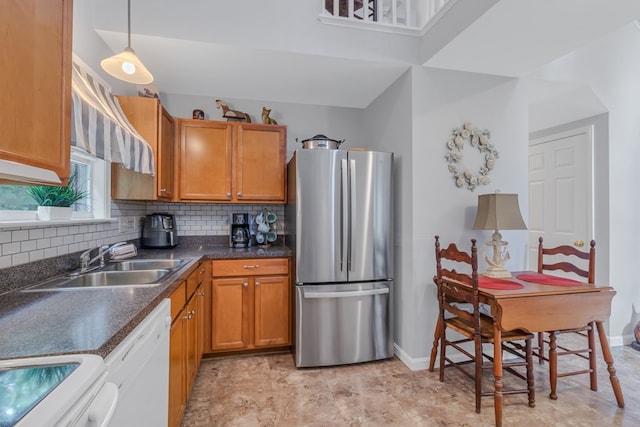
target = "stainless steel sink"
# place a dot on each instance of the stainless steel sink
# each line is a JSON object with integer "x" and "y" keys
{"x": 145, "y": 264}
{"x": 105, "y": 279}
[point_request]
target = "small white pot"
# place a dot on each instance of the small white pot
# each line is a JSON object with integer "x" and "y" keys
{"x": 53, "y": 213}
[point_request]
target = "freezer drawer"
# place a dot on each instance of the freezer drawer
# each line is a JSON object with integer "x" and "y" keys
{"x": 341, "y": 324}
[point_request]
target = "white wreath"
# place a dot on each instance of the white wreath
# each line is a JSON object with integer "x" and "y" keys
{"x": 481, "y": 139}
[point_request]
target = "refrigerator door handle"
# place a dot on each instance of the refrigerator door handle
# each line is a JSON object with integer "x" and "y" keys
{"x": 344, "y": 294}
{"x": 344, "y": 216}
{"x": 352, "y": 210}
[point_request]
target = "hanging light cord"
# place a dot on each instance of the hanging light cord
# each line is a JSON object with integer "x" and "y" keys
{"x": 129, "y": 22}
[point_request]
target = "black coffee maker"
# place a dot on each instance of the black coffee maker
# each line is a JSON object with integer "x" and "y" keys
{"x": 239, "y": 234}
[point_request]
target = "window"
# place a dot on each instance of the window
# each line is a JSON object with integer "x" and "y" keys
{"x": 92, "y": 175}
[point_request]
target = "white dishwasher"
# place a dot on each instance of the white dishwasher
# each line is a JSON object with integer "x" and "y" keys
{"x": 139, "y": 367}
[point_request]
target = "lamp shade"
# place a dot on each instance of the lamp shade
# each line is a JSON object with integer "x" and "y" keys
{"x": 498, "y": 211}
{"x": 127, "y": 67}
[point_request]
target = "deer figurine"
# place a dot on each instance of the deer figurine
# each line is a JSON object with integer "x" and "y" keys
{"x": 265, "y": 117}
{"x": 232, "y": 115}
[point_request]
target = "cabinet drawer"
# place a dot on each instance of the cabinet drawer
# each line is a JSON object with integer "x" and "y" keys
{"x": 178, "y": 300}
{"x": 249, "y": 267}
{"x": 195, "y": 279}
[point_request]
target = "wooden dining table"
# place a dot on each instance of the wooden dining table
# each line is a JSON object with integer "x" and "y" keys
{"x": 539, "y": 307}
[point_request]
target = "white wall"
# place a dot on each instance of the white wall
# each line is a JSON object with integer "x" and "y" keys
{"x": 611, "y": 66}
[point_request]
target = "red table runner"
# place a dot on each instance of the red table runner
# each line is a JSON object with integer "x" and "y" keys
{"x": 491, "y": 283}
{"x": 546, "y": 279}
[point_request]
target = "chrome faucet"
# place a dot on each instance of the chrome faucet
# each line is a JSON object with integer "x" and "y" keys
{"x": 86, "y": 260}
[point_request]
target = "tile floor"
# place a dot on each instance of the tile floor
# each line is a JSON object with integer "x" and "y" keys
{"x": 267, "y": 390}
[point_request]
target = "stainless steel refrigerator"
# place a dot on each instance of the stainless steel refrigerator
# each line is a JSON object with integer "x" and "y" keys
{"x": 339, "y": 217}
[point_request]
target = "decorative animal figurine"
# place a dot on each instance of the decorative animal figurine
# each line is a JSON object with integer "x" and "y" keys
{"x": 232, "y": 115}
{"x": 265, "y": 117}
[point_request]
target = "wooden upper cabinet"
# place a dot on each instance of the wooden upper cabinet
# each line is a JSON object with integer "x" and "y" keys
{"x": 35, "y": 88}
{"x": 157, "y": 127}
{"x": 260, "y": 166}
{"x": 232, "y": 162}
{"x": 205, "y": 160}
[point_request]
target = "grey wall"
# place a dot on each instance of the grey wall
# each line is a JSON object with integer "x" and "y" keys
{"x": 610, "y": 67}
{"x": 387, "y": 126}
{"x": 302, "y": 121}
{"x": 416, "y": 117}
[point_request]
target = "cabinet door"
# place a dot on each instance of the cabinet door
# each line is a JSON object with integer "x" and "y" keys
{"x": 272, "y": 318}
{"x": 177, "y": 370}
{"x": 230, "y": 323}
{"x": 260, "y": 164}
{"x": 35, "y": 112}
{"x": 201, "y": 316}
{"x": 157, "y": 128}
{"x": 205, "y": 160}
{"x": 165, "y": 163}
{"x": 191, "y": 347}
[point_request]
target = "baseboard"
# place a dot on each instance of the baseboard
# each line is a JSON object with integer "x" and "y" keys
{"x": 415, "y": 364}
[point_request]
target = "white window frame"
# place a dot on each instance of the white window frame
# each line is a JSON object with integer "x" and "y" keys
{"x": 100, "y": 196}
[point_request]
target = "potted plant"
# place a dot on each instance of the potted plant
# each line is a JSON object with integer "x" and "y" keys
{"x": 54, "y": 202}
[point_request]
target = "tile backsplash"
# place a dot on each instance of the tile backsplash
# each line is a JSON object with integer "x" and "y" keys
{"x": 21, "y": 245}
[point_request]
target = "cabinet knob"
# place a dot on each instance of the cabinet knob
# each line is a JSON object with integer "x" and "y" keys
{"x": 257, "y": 283}
{"x": 239, "y": 194}
{"x": 245, "y": 284}
{"x": 229, "y": 195}
{"x": 202, "y": 294}
{"x": 163, "y": 190}
{"x": 202, "y": 271}
{"x": 249, "y": 267}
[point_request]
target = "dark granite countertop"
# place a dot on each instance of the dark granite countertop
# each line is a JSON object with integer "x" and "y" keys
{"x": 96, "y": 320}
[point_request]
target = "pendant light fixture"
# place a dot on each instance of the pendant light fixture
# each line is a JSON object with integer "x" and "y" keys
{"x": 126, "y": 66}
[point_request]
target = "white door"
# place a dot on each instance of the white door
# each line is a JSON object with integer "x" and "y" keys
{"x": 560, "y": 191}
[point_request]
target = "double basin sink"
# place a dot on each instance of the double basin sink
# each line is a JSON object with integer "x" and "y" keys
{"x": 130, "y": 273}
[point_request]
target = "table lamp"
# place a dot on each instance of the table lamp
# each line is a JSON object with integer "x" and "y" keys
{"x": 496, "y": 212}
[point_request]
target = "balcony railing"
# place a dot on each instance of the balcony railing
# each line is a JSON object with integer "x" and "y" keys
{"x": 405, "y": 16}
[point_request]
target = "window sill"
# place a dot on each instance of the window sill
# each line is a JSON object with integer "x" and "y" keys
{"x": 34, "y": 223}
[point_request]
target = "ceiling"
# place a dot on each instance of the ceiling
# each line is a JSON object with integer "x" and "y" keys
{"x": 264, "y": 54}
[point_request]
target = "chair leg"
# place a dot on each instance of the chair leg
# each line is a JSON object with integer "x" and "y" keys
{"x": 434, "y": 347}
{"x": 530, "y": 386}
{"x": 478, "y": 372}
{"x": 541, "y": 348}
{"x": 443, "y": 340}
{"x": 553, "y": 365}
{"x": 593, "y": 376}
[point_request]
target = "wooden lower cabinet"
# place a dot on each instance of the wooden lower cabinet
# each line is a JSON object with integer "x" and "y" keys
{"x": 250, "y": 304}
{"x": 186, "y": 339}
{"x": 177, "y": 357}
{"x": 246, "y": 307}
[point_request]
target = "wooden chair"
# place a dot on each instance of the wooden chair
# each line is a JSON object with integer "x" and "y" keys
{"x": 569, "y": 256}
{"x": 459, "y": 311}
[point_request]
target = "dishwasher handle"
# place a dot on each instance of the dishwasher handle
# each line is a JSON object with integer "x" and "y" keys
{"x": 344, "y": 294}
{"x": 103, "y": 407}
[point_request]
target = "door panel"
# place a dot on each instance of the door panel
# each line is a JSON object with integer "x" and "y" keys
{"x": 319, "y": 223}
{"x": 560, "y": 201}
{"x": 370, "y": 215}
{"x": 230, "y": 327}
{"x": 272, "y": 311}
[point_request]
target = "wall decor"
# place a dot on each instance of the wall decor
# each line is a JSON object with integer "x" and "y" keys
{"x": 478, "y": 138}
{"x": 265, "y": 117}
{"x": 232, "y": 115}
